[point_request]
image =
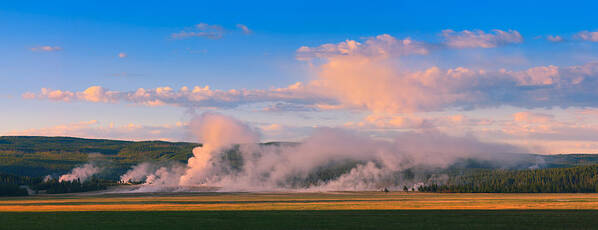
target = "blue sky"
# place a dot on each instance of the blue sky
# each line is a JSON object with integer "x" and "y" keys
{"x": 86, "y": 38}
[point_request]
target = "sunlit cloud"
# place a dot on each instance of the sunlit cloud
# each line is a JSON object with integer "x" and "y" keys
{"x": 361, "y": 75}
{"x": 367, "y": 81}
{"x": 271, "y": 127}
{"x": 94, "y": 129}
{"x": 122, "y": 55}
{"x": 382, "y": 45}
{"x": 186, "y": 97}
{"x": 362, "y": 83}
{"x": 46, "y": 48}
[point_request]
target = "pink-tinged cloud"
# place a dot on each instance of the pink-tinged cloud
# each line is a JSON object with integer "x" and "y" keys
{"x": 364, "y": 76}
{"x": 529, "y": 117}
{"x": 93, "y": 129}
{"x": 271, "y": 127}
{"x": 541, "y": 75}
{"x": 197, "y": 96}
{"x": 202, "y": 30}
{"x": 555, "y": 38}
{"x": 46, "y": 48}
{"x": 382, "y": 45}
{"x": 372, "y": 84}
{"x": 480, "y": 39}
{"x": 537, "y": 131}
{"x": 370, "y": 81}
{"x": 244, "y": 28}
{"x": 91, "y": 94}
{"x": 122, "y": 55}
{"x": 541, "y": 132}
{"x": 591, "y": 36}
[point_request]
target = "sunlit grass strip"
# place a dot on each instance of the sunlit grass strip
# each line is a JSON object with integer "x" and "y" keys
{"x": 302, "y": 201}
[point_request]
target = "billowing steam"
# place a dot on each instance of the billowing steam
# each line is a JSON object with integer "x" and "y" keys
{"x": 330, "y": 159}
{"x": 215, "y": 131}
{"x": 137, "y": 174}
{"x": 81, "y": 173}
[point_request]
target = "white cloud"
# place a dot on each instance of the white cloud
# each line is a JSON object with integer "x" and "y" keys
{"x": 382, "y": 45}
{"x": 481, "y": 39}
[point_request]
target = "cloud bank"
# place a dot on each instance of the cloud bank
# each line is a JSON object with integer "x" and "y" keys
{"x": 360, "y": 82}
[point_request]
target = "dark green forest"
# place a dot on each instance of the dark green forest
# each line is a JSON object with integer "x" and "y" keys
{"x": 13, "y": 185}
{"x": 580, "y": 179}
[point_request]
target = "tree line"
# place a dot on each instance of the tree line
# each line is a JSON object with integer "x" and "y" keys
{"x": 54, "y": 186}
{"x": 581, "y": 179}
{"x": 12, "y": 185}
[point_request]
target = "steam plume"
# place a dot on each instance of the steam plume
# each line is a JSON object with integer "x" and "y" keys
{"x": 138, "y": 173}
{"x": 330, "y": 159}
{"x": 81, "y": 173}
{"x": 215, "y": 131}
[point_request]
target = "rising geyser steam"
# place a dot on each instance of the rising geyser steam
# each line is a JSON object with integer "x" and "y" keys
{"x": 215, "y": 131}
{"x": 330, "y": 159}
{"x": 81, "y": 173}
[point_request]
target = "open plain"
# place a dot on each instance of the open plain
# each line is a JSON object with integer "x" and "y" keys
{"x": 331, "y": 210}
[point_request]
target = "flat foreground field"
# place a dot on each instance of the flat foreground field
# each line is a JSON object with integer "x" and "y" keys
{"x": 298, "y": 201}
{"x": 342, "y": 210}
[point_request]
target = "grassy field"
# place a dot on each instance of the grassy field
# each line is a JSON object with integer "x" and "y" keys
{"x": 343, "y": 210}
{"x": 309, "y": 219}
{"x": 299, "y": 201}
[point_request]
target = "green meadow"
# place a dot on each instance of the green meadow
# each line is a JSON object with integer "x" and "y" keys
{"x": 306, "y": 219}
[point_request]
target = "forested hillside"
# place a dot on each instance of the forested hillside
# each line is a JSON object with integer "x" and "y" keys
{"x": 581, "y": 179}
{"x": 40, "y": 156}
